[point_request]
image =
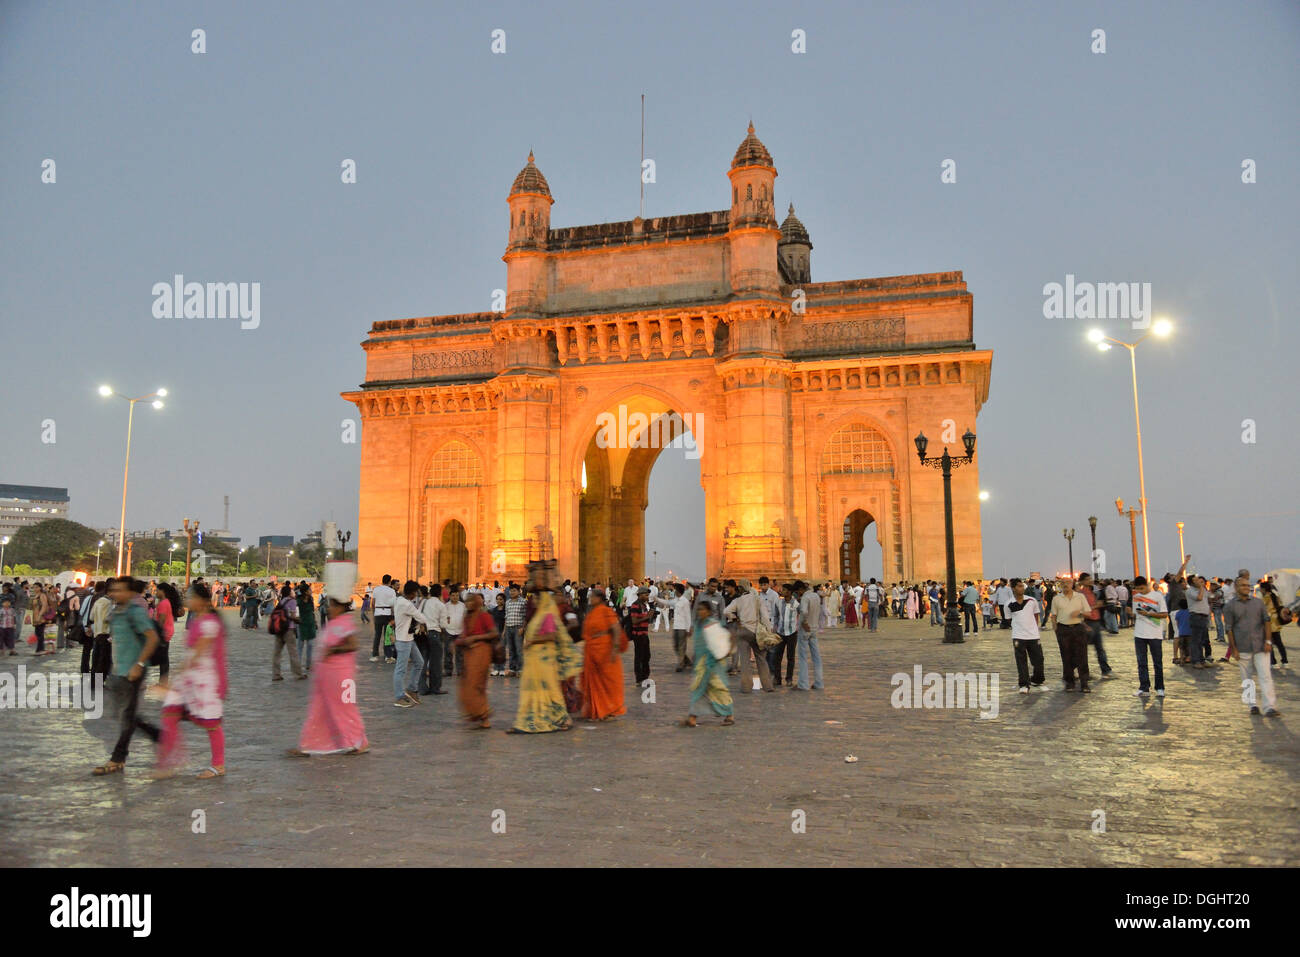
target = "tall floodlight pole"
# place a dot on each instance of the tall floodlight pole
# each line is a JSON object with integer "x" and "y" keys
{"x": 1162, "y": 328}
{"x": 157, "y": 398}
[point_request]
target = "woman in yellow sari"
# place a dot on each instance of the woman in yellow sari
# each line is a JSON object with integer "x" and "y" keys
{"x": 550, "y": 657}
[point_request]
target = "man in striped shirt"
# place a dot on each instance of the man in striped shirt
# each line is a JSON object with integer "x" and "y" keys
{"x": 513, "y": 636}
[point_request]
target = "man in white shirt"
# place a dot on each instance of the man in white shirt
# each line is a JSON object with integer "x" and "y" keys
{"x": 771, "y": 599}
{"x": 383, "y": 599}
{"x": 747, "y": 608}
{"x": 453, "y": 623}
{"x": 1022, "y": 611}
{"x": 680, "y": 607}
{"x": 1002, "y": 596}
{"x": 1121, "y": 596}
{"x": 1149, "y": 610}
{"x": 875, "y": 594}
{"x": 432, "y": 609}
{"x": 857, "y": 592}
{"x": 406, "y": 680}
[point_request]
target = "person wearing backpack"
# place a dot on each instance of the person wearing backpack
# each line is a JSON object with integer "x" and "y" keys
{"x": 283, "y": 628}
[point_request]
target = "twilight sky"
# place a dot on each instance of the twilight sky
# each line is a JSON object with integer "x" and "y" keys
{"x": 1117, "y": 167}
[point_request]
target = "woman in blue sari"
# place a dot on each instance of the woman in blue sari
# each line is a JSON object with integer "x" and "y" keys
{"x": 710, "y": 682}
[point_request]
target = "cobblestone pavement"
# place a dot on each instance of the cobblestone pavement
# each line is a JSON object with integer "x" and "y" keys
{"x": 1190, "y": 780}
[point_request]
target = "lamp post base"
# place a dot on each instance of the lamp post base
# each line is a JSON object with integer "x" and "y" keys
{"x": 952, "y": 628}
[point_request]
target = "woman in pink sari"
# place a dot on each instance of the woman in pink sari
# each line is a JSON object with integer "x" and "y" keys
{"x": 913, "y": 603}
{"x": 334, "y": 724}
{"x": 198, "y": 692}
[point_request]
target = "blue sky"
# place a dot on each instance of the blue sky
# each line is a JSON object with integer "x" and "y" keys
{"x": 1123, "y": 166}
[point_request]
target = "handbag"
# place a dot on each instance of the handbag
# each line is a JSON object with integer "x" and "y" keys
{"x": 718, "y": 640}
{"x": 764, "y": 636}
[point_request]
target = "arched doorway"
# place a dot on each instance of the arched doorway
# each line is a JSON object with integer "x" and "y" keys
{"x": 615, "y": 491}
{"x": 453, "y": 553}
{"x": 861, "y": 554}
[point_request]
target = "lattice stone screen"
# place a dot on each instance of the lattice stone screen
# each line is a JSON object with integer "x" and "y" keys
{"x": 455, "y": 466}
{"x": 856, "y": 448}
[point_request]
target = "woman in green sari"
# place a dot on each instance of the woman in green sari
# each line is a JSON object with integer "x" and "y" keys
{"x": 710, "y": 683}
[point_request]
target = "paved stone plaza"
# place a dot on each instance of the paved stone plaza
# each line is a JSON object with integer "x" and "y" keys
{"x": 1190, "y": 781}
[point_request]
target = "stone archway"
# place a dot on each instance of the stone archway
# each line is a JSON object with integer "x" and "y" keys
{"x": 856, "y": 525}
{"x": 453, "y": 553}
{"x": 616, "y": 466}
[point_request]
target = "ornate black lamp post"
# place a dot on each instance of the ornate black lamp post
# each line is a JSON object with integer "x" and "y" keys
{"x": 1092, "y": 524}
{"x": 343, "y": 544}
{"x": 946, "y": 463}
{"x": 1068, "y": 534}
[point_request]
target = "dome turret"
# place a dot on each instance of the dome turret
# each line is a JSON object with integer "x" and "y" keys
{"x": 751, "y": 152}
{"x": 530, "y": 180}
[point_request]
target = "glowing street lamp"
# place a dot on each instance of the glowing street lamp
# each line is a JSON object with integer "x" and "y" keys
{"x": 1161, "y": 328}
{"x": 286, "y": 563}
{"x": 97, "y": 548}
{"x": 984, "y": 495}
{"x": 157, "y": 396}
{"x": 3, "y": 542}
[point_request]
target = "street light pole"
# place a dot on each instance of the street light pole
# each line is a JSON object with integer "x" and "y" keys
{"x": 1068, "y": 533}
{"x": 97, "y": 548}
{"x": 1162, "y": 328}
{"x": 286, "y": 563}
{"x": 1182, "y": 555}
{"x": 189, "y": 542}
{"x": 343, "y": 544}
{"x": 1132, "y": 530}
{"x": 946, "y": 463}
{"x": 157, "y": 395}
{"x": 3, "y": 542}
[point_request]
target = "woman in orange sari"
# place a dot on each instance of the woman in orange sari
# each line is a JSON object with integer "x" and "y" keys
{"x": 602, "y": 670}
{"x": 480, "y": 634}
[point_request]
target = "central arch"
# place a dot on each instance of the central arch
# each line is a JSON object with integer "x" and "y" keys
{"x": 621, "y": 452}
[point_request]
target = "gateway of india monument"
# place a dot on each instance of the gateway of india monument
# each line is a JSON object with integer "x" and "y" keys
{"x": 482, "y": 442}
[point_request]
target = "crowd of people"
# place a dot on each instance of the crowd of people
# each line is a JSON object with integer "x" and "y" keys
{"x": 564, "y": 641}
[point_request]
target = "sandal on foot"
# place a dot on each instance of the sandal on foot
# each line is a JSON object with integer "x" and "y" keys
{"x": 361, "y": 750}
{"x": 687, "y": 723}
{"x": 297, "y": 753}
{"x": 211, "y": 772}
{"x": 727, "y": 721}
{"x": 109, "y": 767}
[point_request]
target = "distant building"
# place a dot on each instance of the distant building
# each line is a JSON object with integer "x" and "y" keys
{"x": 111, "y": 536}
{"x": 275, "y": 541}
{"x": 23, "y": 505}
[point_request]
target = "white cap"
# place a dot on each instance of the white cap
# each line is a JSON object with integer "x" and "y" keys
{"x": 340, "y": 578}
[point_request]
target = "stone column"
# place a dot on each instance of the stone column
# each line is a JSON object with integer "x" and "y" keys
{"x": 755, "y": 463}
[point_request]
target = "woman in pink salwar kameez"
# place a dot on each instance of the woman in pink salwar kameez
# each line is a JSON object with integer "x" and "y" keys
{"x": 334, "y": 724}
